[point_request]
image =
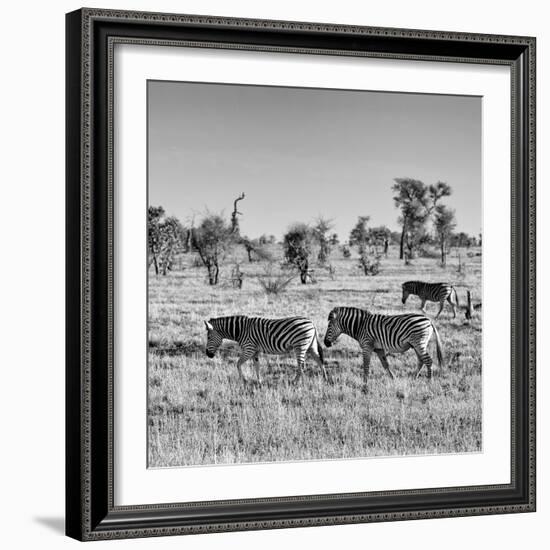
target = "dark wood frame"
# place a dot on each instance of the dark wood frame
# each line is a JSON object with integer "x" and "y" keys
{"x": 91, "y": 514}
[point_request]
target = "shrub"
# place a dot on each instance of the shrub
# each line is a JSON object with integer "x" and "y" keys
{"x": 369, "y": 263}
{"x": 274, "y": 282}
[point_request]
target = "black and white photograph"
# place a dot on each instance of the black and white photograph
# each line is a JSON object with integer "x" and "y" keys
{"x": 314, "y": 274}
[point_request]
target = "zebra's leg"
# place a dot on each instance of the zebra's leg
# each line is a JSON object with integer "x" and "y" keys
{"x": 367, "y": 352}
{"x": 452, "y": 306}
{"x": 319, "y": 361}
{"x": 300, "y": 361}
{"x": 424, "y": 358}
{"x": 257, "y": 367}
{"x": 246, "y": 354}
{"x": 384, "y": 360}
{"x": 441, "y": 306}
{"x": 423, "y": 305}
{"x": 419, "y": 368}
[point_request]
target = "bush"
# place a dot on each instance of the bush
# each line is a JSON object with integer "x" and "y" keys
{"x": 275, "y": 282}
{"x": 369, "y": 263}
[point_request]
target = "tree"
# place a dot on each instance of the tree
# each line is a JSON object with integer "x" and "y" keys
{"x": 234, "y": 216}
{"x": 417, "y": 202}
{"x": 359, "y": 235}
{"x": 267, "y": 239}
{"x": 211, "y": 239}
{"x": 365, "y": 239}
{"x": 320, "y": 232}
{"x": 172, "y": 241}
{"x": 444, "y": 225}
{"x": 297, "y": 247}
{"x": 154, "y": 216}
{"x": 411, "y": 196}
{"x": 256, "y": 249}
{"x": 165, "y": 238}
{"x": 379, "y": 237}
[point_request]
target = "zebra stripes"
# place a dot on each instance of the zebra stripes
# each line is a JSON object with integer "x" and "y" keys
{"x": 385, "y": 334}
{"x": 431, "y": 292}
{"x": 257, "y": 335}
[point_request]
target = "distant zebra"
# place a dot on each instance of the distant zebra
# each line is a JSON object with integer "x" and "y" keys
{"x": 257, "y": 335}
{"x": 385, "y": 334}
{"x": 432, "y": 292}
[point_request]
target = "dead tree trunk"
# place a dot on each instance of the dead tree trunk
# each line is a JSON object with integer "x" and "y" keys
{"x": 469, "y": 310}
{"x": 235, "y": 214}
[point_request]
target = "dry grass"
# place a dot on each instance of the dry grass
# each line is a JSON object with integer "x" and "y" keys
{"x": 200, "y": 413}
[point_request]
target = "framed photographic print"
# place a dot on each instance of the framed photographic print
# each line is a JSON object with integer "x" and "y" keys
{"x": 300, "y": 274}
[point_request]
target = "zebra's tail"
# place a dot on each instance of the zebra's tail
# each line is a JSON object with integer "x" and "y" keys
{"x": 439, "y": 347}
{"x": 456, "y": 297}
{"x": 319, "y": 348}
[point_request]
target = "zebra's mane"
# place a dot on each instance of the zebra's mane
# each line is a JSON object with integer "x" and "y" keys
{"x": 351, "y": 318}
{"x": 229, "y": 326}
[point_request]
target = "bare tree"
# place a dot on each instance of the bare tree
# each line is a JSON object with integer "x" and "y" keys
{"x": 235, "y": 216}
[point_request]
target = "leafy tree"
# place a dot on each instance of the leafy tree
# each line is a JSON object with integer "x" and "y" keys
{"x": 379, "y": 237}
{"x": 297, "y": 248}
{"x": 366, "y": 239}
{"x": 320, "y": 233}
{"x": 369, "y": 262}
{"x": 211, "y": 239}
{"x": 165, "y": 238}
{"x": 172, "y": 241}
{"x": 416, "y": 202}
{"x": 154, "y": 217}
{"x": 267, "y": 239}
{"x": 444, "y": 224}
{"x": 462, "y": 239}
{"x": 360, "y": 233}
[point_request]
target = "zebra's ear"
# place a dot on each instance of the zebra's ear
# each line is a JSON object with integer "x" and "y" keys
{"x": 208, "y": 325}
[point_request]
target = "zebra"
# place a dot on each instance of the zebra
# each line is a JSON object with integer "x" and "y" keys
{"x": 257, "y": 335}
{"x": 432, "y": 292}
{"x": 385, "y": 334}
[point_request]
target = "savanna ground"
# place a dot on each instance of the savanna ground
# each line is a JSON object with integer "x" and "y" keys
{"x": 199, "y": 412}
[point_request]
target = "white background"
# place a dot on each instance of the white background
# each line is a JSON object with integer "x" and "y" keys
{"x": 134, "y": 484}
{"x": 32, "y": 437}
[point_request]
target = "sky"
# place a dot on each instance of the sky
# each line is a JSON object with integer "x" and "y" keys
{"x": 301, "y": 153}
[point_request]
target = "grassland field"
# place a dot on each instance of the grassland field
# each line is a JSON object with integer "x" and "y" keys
{"x": 200, "y": 413}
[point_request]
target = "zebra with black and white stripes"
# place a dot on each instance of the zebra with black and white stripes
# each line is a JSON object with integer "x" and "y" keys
{"x": 385, "y": 334}
{"x": 257, "y": 335}
{"x": 431, "y": 292}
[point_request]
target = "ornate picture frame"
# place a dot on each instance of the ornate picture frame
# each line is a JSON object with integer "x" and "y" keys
{"x": 91, "y": 511}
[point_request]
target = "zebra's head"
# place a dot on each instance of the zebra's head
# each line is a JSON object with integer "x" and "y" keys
{"x": 405, "y": 287}
{"x": 214, "y": 339}
{"x": 334, "y": 329}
